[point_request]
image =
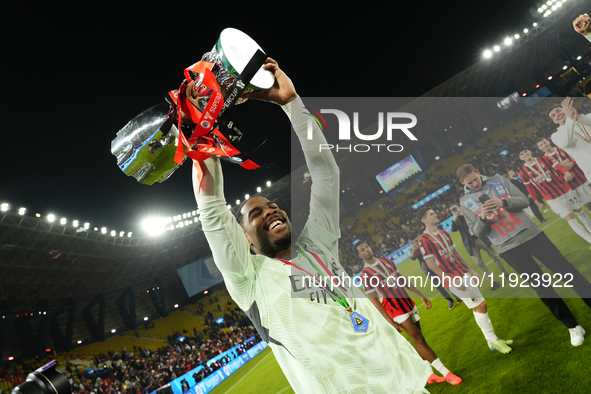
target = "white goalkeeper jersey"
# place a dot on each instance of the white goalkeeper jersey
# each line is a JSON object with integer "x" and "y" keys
{"x": 575, "y": 138}
{"x": 311, "y": 334}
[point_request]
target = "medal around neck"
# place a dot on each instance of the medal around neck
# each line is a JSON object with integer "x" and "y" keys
{"x": 360, "y": 323}
{"x": 157, "y": 141}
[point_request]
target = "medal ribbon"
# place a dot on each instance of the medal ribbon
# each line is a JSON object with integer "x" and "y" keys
{"x": 344, "y": 303}
{"x": 539, "y": 167}
{"x": 447, "y": 245}
{"x": 339, "y": 296}
{"x": 384, "y": 272}
{"x": 586, "y": 136}
{"x": 558, "y": 156}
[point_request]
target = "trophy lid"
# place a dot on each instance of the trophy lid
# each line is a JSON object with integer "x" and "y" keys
{"x": 236, "y": 48}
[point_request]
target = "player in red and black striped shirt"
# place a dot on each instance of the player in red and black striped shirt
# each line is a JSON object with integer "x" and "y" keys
{"x": 442, "y": 258}
{"x": 551, "y": 180}
{"x": 579, "y": 182}
{"x": 540, "y": 173}
{"x": 397, "y": 307}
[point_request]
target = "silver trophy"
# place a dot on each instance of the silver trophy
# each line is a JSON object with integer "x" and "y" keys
{"x": 145, "y": 147}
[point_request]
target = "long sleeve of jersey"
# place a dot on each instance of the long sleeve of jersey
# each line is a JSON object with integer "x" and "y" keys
{"x": 324, "y": 200}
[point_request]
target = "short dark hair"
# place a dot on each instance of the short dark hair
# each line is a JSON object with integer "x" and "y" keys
{"x": 587, "y": 88}
{"x": 551, "y": 108}
{"x": 356, "y": 244}
{"x": 465, "y": 170}
{"x": 421, "y": 212}
{"x": 523, "y": 148}
{"x": 541, "y": 139}
{"x": 239, "y": 215}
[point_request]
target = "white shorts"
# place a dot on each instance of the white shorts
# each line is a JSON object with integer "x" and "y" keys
{"x": 564, "y": 204}
{"x": 583, "y": 192}
{"x": 472, "y": 296}
{"x": 414, "y": 315}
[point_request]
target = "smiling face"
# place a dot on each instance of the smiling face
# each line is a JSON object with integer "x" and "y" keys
{"x": 473, "y": 181}
{"x": 557, "y": 115}
{"x": 525, "y": 155}
{"x": 266, "y": 227}
{"x": 544, "y": 145}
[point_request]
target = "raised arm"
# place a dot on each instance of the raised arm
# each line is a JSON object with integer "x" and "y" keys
{"x": 224, "y": 235}
{"x": 324, "y": 202}
{"x": 566, "y": 135}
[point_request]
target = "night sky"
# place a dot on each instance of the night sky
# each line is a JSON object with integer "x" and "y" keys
{"x": 73, "y": 77}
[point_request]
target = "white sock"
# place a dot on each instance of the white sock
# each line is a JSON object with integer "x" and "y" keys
{"x": 438, "y": 365}
{"x": 580, "y": 230}
{"x": 585, "y": 219}
{"x": 486, "y": 326}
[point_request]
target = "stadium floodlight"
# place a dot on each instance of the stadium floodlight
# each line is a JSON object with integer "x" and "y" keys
{"x": 75, "y": 223}
{"x": 79, "y": 342}
{"x": 486, "y": 128}
{"x": 565, "y": 67}
{"x": 540, "y": 10}
{"x": 268, "y": 183}
{"x": 437, "y": 158}
{"x": 459, "y": 144}
{"x": 176, "y": 305}
{"x": 184, "y": 215}
{"x": 487, "y": 54}
{"x": 516, "y": 36}
{"x": 113, "y": 233}
{"x": 544, "y": 7}
{"x": 579, "y": 58}
{"x": 525, "y": 31}
{"x": 121, "y": 233}
{"x": 63, "y": 221}
{"x": 535, "y": 24}
{"x": 38, "y": 215}
{"x": 237, "y": 202}
{"x": 50, "y": 217}
{"x": 259, "y": 189}
{"x": 229, "y": 206}
{"x": 145, "y": 318}
{"x": 524, "y": 94}
{"x": 86, "y": 225}
{"x": 113, "y": 331}
{"x": 4, "y": 207}
{"x": 21, "y": 211}
{"x": 153, "y": 226}
{"x": 129, "y": 234}
{"x": 103, "y": 230}
{"x": 549, "y": 2}
{"x": 96, "y": 229}
{"x": 508, "y": 41}
{"x": 181, "y": 225}
{"x": 550, "y": 78}
{"x": 246, "y": 196}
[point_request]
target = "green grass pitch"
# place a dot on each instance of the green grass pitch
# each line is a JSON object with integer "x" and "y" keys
{"x": 542, "y": 360}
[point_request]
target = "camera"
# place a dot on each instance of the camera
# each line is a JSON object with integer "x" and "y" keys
{"x": 45, "y": 380}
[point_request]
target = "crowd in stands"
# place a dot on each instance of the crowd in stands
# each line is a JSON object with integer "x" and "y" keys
{"x": 141, "y": 371}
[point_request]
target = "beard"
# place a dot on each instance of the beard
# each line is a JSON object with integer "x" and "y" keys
{"x": 283, "y": 242}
